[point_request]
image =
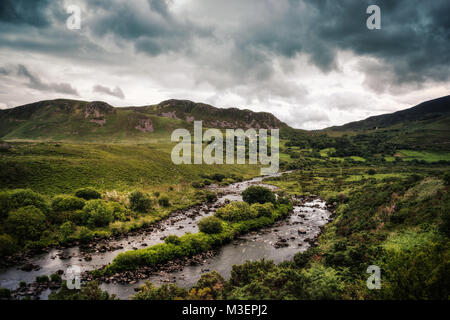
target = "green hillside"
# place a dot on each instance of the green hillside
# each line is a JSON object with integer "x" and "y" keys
{"x": 423, "y": 127}
{"x": 213, "y": 117}
{"x": 81, "y": 121}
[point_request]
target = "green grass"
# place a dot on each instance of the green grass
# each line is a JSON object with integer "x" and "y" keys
{"x": 55, "y": 168}
{"x": 428, "y": 156}
{"x": 409, "y": 239}
{"x": 377, "y": 176}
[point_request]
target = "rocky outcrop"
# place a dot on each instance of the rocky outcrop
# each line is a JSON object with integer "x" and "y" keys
{"x": 95, "y": 111}
{"x": 144, "y": 125}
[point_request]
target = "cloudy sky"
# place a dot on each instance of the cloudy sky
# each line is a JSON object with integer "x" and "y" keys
{"x": 313, "y": 63}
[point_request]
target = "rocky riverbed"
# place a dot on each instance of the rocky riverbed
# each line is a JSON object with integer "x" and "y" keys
{"x": 279, "y": 242}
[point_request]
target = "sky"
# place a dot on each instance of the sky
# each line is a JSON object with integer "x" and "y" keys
{"x": 312, "y": 63}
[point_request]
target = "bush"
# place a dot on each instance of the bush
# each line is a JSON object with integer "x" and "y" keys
{"x": 262, "y": 210}
{"x": 26, "y": 197}
{"x": 55, "y": 278}
{"x": 119, "y": 212}
{"x": 66, "y": 229}
{"x": 210, "y": 286}
{"x": 42, "y": 279}
{"x": 210, "y": 196}
{"x": 217, "y": 177}
{"x": 371, "y": 172}
{"x": 173, "y": 239}
{"x": 210, "y": 225}
{"x": 88, "y": 194}
{"x": 5, "y": 294}
{"x": 447, "y": 178}
{"x": 197, "y": 185}
{"x": 97, "y": 214}
{"x": 302, "y": 258}
{"x": 235, "y": 211}
{"x": 258, "y": 194}
{"x": 140, "y": 202}
{"x": 444, "y": 227}
{"x": 5, "y": 205}
{"x": 6, "y": 245}
{"x": 85, "y": 235}
{"x": 90, "y": 291}
{"x": 26, "y": 223}
{"x": 166, "y": 292}
{"x": 67, "y": 203}
{"x": 164, "y": 201}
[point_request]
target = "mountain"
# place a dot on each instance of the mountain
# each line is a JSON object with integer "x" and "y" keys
{"x": 215, "y": 117}
{"x": 422, "y": 127}
{"x": 97, "y": 121}
{"x": 433, "y": 110}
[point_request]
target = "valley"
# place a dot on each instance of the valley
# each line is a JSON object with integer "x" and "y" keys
{"x": 98, "y": 186}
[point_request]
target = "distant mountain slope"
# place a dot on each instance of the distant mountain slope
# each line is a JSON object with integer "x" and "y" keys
{"x": 213, "y": 117}
{"x": 72, "y": 120}
{"x": 423, "y": 127}
{"x": 434, "y": 110}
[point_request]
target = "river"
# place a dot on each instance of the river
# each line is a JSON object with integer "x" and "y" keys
{"x": 307, "y": 218}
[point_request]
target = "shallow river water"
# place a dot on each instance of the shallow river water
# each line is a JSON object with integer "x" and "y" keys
{"x": 307, "y": 218}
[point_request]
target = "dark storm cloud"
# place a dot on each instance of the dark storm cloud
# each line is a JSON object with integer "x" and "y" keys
{"x": 150, "y": 26}
{"x": 116, "y": 92}
{"x": 414, "y": 40}
{"x": 256, "y": 52}
{"x": 34, "y": 82}
{"x": 24, "y": 12}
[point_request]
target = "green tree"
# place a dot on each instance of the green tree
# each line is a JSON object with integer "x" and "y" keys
{"x": 210, "y": 225}
{"x": 88, "y": 194}
{"x": 26, "y": 223}
{"x": 258, "y": 194}
{"x": 97, "y": 214}
{"x": 140, "y": 202}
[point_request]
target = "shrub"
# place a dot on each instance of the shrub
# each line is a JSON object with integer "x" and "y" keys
{"x": 85, "y": 235}
{"x": 166, "y": 292}
{"x": 262, "y": 210}
{"x": 42, "y": 279}
{"x": 217, "y": 177}
{"x": 254, "y": 194}
{"x": 88, "y": 194}
{"x": 97, "y": 214}
{"x": 210, "y": 286}
{"x": 66, "y": 229}
{"x": 173, "y": 239}
{"x": 67, "y": 203}
{"x": 140, "y": 202}
{"x": 156, "y": 194}
{"x": 5, "y": 294}
{"x": 371, "y": 172}
{"x": 5, "y": 205}
{"x": 210, "y": 196}
{"x": 283, "y": 200}
{"x": 197, "y": 185}
{"x": 55, "y": 278}
{"x": 164, "y": 201}
{"x": 119, "y": 212}
{"x": 302, "y": 258}
{"x": 235, "y": 211}
{"x": 444, "y": 227}
{"x": 447, "y": 178}
{"x": 26, "y": 223}
{"x": 210, "y": 225}
{"x": 90, "y": 291}
{"x": 6, "y": 245}
{"x": 26, "y": 197}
